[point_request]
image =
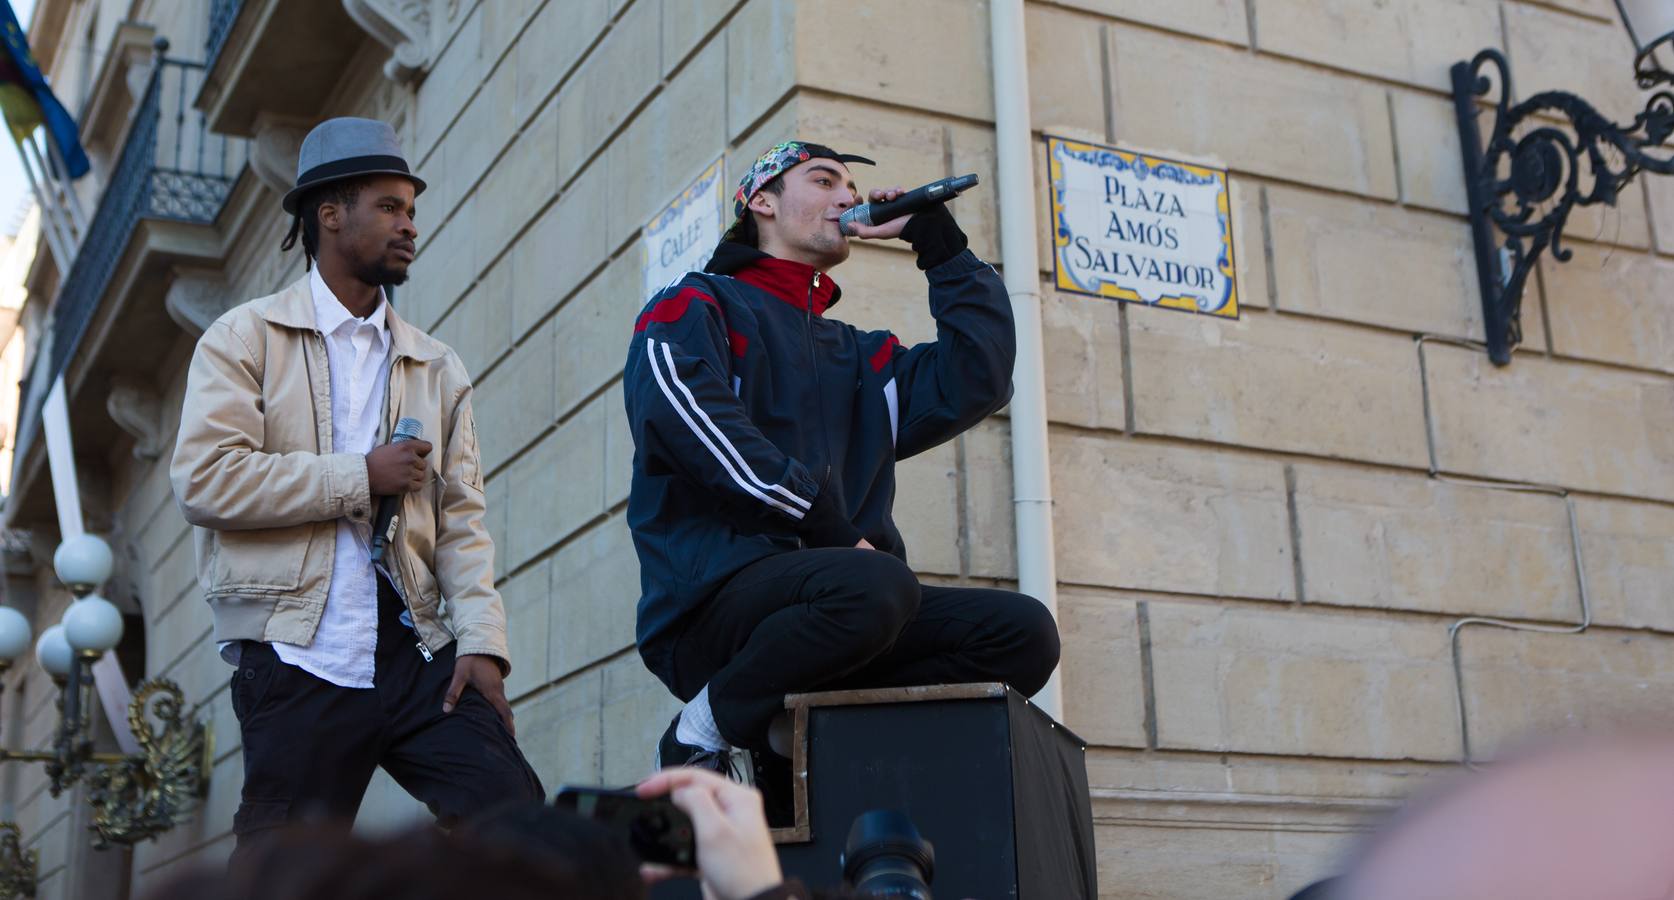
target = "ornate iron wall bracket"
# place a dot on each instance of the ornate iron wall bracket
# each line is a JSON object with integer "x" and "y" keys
{"x": 17, "y": 865}
{"x": 133, "y": 797}
{"x": 145, "y": 795}
{"x": 1521, "y": 186}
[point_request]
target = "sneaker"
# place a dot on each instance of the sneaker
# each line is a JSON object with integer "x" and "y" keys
{"x": 671, "y": 753}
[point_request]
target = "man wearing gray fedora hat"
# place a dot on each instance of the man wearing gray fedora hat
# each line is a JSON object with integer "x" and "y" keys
{"x": 328, "y": 460}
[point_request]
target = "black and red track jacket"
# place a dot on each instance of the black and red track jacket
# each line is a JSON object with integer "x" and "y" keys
{"x": 761, "y": 426}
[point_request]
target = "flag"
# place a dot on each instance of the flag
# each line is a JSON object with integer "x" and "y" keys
{"x": 27, "y": 102}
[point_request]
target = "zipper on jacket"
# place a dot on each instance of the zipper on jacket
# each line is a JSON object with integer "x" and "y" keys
{"x": 399, "y": 584}
{"x": 389, "y": 388}
{"x": 819, "y": 391}
{"x": 402, "y": 584}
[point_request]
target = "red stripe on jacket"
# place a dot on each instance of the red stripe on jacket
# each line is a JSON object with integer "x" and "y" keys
{"x": 884, "y": 354}
{"x": 671, "y": 309}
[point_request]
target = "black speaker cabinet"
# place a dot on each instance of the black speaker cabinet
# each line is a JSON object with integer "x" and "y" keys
{"x": 994, "y": 783}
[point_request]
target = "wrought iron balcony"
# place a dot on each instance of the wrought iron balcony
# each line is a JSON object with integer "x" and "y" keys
{"x": 171, "y": 168}
{"x": 222, "y": 15}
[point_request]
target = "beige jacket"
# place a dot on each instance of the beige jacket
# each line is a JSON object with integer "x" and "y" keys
{"x": 251, "y": 473}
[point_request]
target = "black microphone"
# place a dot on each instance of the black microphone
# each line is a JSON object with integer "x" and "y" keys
{"x": 383, "y": 527}
{"x": 912, "y": 201}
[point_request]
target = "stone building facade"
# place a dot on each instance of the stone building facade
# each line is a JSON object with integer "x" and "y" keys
{"x": 1267, "y": 528}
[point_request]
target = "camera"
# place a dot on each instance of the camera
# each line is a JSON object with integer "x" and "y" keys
{"x": 655, "y": 828}
{"x": 885, "y": 856}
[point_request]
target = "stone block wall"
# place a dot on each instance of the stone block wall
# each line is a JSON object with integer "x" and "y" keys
{"x": 1272, "y": 533}
{"x": 1265, "y": 527}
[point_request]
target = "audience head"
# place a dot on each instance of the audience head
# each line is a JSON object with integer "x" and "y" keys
{"x": 519, "y": 853}
{"x": 1588, "y": 816}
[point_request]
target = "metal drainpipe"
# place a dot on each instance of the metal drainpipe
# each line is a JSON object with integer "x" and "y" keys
{"x": 1030, "y": 470}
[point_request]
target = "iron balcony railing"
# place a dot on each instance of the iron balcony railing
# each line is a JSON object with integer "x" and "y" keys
{"x": 171, "y": 168}
{"x": 222, "y": 15}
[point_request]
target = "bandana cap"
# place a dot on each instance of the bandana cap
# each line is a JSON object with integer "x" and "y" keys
{"x": 778, "y": 160}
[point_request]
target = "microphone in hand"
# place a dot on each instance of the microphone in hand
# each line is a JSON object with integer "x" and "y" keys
{"x": 915, "y": 200}
{"x": 392, "y": 470}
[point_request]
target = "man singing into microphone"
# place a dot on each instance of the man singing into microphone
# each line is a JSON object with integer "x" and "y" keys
{"x": 344, "y": 665}
{"x": 766, "y": 436}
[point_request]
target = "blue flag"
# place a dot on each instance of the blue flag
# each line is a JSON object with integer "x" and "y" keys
{"x": 26, "y": 100}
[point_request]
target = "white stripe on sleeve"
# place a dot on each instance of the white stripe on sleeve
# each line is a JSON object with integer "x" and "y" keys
{"x": 894, "y": 402}
{"x": 721, "y": 436}
{"x": 651, "y": 350}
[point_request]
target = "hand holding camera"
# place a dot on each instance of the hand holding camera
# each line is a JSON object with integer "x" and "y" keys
{"x": 735, "y": 857}
{"x": 690, "y": 822}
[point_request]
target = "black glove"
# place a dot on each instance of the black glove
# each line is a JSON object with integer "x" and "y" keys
{"x": 935, "y": 237}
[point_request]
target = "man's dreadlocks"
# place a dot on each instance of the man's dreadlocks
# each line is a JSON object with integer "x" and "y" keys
{"x": 306, "y": 222}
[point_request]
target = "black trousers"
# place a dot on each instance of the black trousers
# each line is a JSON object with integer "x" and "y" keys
{"x": 310, "y": 747}
{"x": 836, "y": 619}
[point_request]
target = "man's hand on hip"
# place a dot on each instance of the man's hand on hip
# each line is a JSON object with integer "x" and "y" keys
{"x": 397, "y": 468}
{"x": 482, "y": 673}
{"x": 864, "y": 545}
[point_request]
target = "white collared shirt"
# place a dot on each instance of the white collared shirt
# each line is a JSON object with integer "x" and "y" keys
{"x": 357, "y": 352}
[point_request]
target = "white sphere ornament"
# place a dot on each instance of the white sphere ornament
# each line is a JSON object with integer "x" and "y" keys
{"x": 53, "y": 652}
{"x": 93, "y": 623}
{"x": 83, "y": 561}
{"x": 14, "y": 634}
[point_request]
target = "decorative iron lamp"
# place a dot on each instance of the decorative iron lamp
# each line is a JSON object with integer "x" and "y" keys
{"x": 134, "y": 797}
{"x": 1650, "y": 23}
{"x": 17, "y": 865}
{"x": 83, "y": 563}
{"x": 14, "y": 636}
{"x": 1521, "y": 186}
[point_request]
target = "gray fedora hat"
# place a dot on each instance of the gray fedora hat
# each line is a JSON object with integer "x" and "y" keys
{"x": 347, "y": 148}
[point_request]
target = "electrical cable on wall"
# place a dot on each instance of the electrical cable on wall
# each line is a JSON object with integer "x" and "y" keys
{"x": 1453, "y": 631}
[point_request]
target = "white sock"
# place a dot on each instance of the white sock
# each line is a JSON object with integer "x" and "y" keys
{"x": 697, "y": 724}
